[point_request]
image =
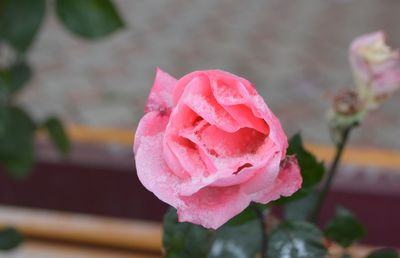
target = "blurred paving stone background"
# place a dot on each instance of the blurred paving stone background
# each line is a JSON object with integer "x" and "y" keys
{"x": 295, "y": 52}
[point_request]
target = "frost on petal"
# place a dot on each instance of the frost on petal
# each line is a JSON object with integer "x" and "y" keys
{"x": 160, "y": 98}
{"x": 241, "y": 100}
{"x": 265, "y": 176}
{"x": 182, "y": 83}
{"x": 228, "y": 88}
{"x": 211, "y": 207}
{"x": 235, "y": 158}
{"x": 151, "y": 123}
{"x": 176, "y": 145}
{"x": 154, "y": 173}
{"x": 198, "y": 97}
{"x": 287, "y": 182}
{"x": 245, "y": 116}
{"x": 188, "y": 155}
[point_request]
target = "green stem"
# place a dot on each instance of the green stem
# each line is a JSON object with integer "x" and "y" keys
{"x": 264, "y": 238}
{"x": 331, "y": 173}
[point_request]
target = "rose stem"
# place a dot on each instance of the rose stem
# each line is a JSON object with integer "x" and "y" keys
{"x": 264, "y": 238}
{"x": 331, "y": 173}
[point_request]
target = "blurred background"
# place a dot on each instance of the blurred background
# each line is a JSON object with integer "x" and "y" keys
{"x": 295, "y": 53}
{"x": 92, "y": 64}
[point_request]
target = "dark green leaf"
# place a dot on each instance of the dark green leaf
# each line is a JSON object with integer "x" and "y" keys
{"x": 312, "y": 170}
{"x": 344, "y": 228}
{"x": 182, "y": 240}
{"x": 384, "y": 253}
{"x": 20, "y": 75}
{"x": 237, "y": 241}
{"x": 300, "y": 209}
{"x": 58, "y": 135}
{"x": 346, "y": 256}
{"x": 13, "y": 79}
{"x": 9, "y": 239}
{"x": 296, "y": 239}
{"x": 20, "y": 21}
{"x": 90, "y": 18}
{"x": 247, "y": 215}
{"x": 16, "y": 141}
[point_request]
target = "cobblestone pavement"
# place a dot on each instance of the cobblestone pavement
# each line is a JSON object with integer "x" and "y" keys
{"x": 295, "y": 52}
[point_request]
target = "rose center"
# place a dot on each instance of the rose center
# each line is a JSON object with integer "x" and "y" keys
{"x": 220, "y": 143}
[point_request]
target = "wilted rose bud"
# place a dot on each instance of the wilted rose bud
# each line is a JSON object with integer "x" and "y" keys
{"x": 347, "y": 103}
{"x": 376, "y": 67}
{"x": 347, "y": 110}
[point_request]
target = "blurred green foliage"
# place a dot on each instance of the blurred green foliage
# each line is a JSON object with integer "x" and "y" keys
{"x": 344, "y": 228}
{"x": 9, "y": 239}
{"x": 20, "y": 22}
{"x": 90, "y": 19}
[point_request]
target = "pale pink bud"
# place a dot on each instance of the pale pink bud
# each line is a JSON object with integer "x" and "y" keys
{"x": 376, "y": 67}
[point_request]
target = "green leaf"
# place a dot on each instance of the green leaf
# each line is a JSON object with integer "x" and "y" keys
{"x": 90, "y": 19}
{"x": 58, "y": 135}
{"x": 301, "y": 208}
{"x": 13, "y": 79}
{"x": 344, "y": 228}
{"x": 237, "y": 241}
{"x": 20, "y": 75}
{"x": 16, "y": 141}
{"x": 296, "y": 239}
{"x": 182, "y": 240}
{"x": 312, "y": 170}
{"x": 246, "y": 215}
{"x": 9, "y": 239}
{"x": 384, "y": 253}
{"x": 20, "y": 20}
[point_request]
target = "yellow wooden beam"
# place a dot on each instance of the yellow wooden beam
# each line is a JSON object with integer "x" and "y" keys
{"x": 127, "y": 238}
{"x": 83, "y": 229}
{"x": 46, "y": 249}
{"x": 101, "y": 135}
{"x": 358, "y": 156}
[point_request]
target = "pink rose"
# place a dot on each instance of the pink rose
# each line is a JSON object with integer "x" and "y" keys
{"x": 376, "y": 67}
{"x": 208, "y": 145}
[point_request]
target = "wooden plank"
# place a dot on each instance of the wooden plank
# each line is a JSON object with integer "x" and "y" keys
{"x": 127, "y": 235}
{"x": 101, "y": 135}
{"x": 79, "y": 228}
{"x": 42, "y": 249}
{"x": 360, "y": 156}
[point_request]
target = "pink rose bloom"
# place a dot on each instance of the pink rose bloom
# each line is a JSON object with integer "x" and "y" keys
{"x": 376, "y": 67}
{"x": 208, "y": 145}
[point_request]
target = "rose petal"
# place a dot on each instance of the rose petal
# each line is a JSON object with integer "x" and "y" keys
{"x": 160, "y": 98}
{"x": 183, "y": 149}
{"x": 287, "y": 183}
{"x": 198, "y": 97}
{"x": 182, "y": 83}
{"x": 154, "y": 173}
{"x": 245, "y": 117}
{"x": 387, "y": 83}
{"x": 266, "y": 175}
{"x": 211, "y": 207}
{"x": 237, "y": 95}
{"x": 152, "y": 123}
